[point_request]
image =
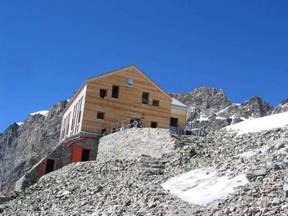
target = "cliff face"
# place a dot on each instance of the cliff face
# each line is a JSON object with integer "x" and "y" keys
{"x": 21, "y": 146}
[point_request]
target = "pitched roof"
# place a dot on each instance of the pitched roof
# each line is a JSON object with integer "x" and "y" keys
{"x": 129, "y": 67}
{"x": 177, "y": 103}
{"x": 113, "y": 72}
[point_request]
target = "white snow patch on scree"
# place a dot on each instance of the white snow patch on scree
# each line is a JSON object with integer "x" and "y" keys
{"x": 19, "y": 123}
{"x": 202, "y": 186}
{"x": 202, "y": 118}
{"x": 260, "y": 124}
{"x": 41, "y": 112}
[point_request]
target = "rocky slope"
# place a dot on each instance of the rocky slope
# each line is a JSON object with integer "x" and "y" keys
{"x": 21, "y": 146}
{"x": 133, "y": 187}
{"x": 210, "y": 109}
{"x": 134, "y": 142}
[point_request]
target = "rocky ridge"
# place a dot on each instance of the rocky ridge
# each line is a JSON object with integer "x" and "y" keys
{"x": 21, "y": 146}
{"x": 133, "y": 187}
{"x": 282, "y": 107}
{"x": 210, "y": 109}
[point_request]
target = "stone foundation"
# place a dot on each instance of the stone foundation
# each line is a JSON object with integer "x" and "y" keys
{"x": 61, "y": 155}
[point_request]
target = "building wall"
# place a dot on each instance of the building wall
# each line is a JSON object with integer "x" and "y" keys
{"x": 66, "y": 127}
{"x": 128, "y": 105}
{"x": 62, "y": 155}
{"x": 180, "y": 114}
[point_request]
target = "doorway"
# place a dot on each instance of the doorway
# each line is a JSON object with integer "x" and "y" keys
{"x": 49, "y": 166}
{"x": 174, "y": 122}
{"x": 174, "y": 125}
{"x": 85, "y": 155}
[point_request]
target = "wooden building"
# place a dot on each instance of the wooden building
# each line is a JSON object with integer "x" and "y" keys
{"x": 104, "y": 104}
{"x": 115, "y": 101}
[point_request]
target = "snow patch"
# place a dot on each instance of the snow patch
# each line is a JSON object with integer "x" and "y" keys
{"x": 203, "y": 186}
{"x": 220, "y": 118}
{"x": 41, "y": 112}
{"x": 19, "y": 123}
{"x": 202, "y": 118}
{"x": 260, "y": 124}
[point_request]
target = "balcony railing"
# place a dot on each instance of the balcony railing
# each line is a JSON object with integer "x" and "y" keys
{"x": 126, "y": 124}
{"x": 177, "y": 131}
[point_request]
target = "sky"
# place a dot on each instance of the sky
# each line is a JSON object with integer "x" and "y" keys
{"x": 48, "y": 48}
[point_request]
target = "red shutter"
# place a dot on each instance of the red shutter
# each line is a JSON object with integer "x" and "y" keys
{"x": 77, "y": 154}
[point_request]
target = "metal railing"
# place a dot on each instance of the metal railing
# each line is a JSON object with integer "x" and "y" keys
{"x": 119, "y": 126}
{"x": 126, "y": 124}
{"x": 177, "y": 131}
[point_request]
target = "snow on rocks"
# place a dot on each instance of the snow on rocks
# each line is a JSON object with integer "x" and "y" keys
{"x": 260, "y": 124}
{"x": 202, "y": 118}
{"x": 41, "y": 112}
{"x": 202, "y": 186}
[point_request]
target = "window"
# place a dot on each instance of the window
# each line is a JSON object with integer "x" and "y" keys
{"x": 154, "y": 124}
{"x": 100, "y": 115}
{"x": 79, "y": 110}
{"x": 73, "y": 120}
{"x": 130, "y": 82}
{"x": 103, "y": 93}
{"x": 145, "y": 98}
{"x": 67, "y": 124}
{"x": 155, "y": 103}
{"x": 115, "y": 91}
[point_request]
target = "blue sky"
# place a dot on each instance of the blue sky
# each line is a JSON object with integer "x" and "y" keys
{"x": 48, "y": 48}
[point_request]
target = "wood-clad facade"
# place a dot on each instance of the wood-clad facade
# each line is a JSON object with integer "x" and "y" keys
{"x": 110, "y": 100}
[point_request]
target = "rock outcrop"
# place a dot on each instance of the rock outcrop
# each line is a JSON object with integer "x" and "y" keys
{"x": 22, "y": 146}
{"x": 282, "y": 107}
{"x": 210, "y": 109}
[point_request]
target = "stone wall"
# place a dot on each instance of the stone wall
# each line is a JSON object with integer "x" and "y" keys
{"x": 61, "y": 155}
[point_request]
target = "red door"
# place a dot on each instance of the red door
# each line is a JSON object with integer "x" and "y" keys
{"x": 77, "y": 154}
